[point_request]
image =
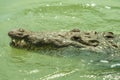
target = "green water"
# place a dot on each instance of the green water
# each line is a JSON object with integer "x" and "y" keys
{"x": 58, "y": 15}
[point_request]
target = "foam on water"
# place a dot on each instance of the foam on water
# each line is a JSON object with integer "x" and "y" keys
{"x": 115, "y": 65}
{"x": 57, "y": 75}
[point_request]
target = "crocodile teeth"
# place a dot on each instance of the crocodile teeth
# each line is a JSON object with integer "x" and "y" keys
{"x": 22, "y": 41}
{"x": 14, "y": 40}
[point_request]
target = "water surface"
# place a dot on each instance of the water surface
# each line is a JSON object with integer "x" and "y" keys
{"x": 58, "y": 15}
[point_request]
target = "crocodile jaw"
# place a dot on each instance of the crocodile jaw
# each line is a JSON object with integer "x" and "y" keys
{"x": 21, "y": 43}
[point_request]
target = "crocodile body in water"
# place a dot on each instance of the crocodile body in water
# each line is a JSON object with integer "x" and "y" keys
{"x": 93, "y": 41}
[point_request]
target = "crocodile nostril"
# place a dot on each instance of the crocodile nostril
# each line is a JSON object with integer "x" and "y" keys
{"x": 10, "y": 33}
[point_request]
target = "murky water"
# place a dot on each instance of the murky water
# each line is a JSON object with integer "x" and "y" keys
{"x": 57, "y": 15}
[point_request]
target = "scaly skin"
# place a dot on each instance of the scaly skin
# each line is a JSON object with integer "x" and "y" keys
{"x": 93, "y": 41}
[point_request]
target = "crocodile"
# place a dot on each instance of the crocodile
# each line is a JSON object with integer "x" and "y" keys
{"x": 90, "y": 40}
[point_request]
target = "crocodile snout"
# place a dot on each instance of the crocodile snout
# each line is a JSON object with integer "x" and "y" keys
{"x": 16, "y": 34}
{"x": 10, "y": 33}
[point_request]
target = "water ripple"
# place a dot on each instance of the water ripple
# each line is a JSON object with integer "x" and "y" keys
{"x": 57, "y": 75}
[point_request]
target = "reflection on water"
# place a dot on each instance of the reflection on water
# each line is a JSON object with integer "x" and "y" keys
{"x": 57, "y": 15}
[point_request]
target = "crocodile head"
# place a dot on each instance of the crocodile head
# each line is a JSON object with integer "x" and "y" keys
{"x": 18, "y": 37}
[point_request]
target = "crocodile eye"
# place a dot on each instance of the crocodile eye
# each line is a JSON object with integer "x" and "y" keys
{"x": 76, "y": 38}
{"x": 21, "y": 30}
{"x": 109, "y": 35}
